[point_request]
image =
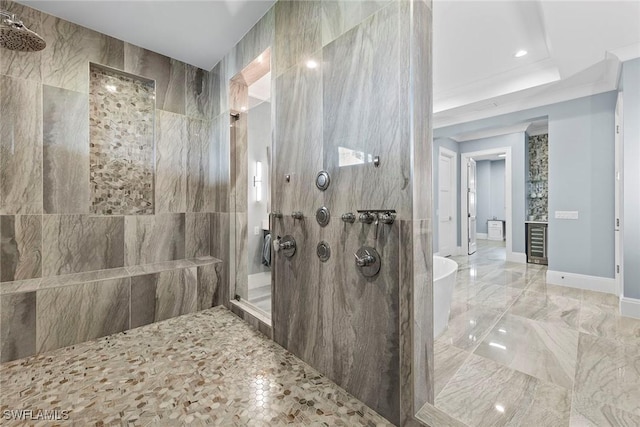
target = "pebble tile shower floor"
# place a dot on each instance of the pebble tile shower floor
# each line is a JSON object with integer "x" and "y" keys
{"x": 206, "y": 368}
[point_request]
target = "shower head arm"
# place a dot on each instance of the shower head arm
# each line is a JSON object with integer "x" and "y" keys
{"x": 10, "y": 17}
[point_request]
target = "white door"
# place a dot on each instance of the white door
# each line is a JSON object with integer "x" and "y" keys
{"x": 471, "y": 205}
{"x": 446, "y": 203}
{"x": 618, "y": 195}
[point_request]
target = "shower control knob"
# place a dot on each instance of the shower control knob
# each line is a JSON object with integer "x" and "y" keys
{"x": 277, "y": 214}
{"x": 297, "y": 215}
{"x": 287, "y": 245}
{"x": 387, "y": 218}
{"x": 349, "y": 217}
{"x": 368, "y": 261}
{"x": 367, "y": 217}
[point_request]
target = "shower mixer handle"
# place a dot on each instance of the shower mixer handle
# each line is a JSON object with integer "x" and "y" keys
{"x": 364, "y": 260}
{"x": 276, "y": 214}
{"x": 367, "y": 217}
{"x": 349, "y": 217}
{"x": 297, "y": 215}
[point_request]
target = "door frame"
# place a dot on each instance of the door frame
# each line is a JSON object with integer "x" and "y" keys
{"x": 464, "y": 208}
{"x": 619, "y": 197}
{"x": 453, "y": 181}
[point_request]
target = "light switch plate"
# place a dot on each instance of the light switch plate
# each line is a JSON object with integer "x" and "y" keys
{"x": 256, "y": 231}
{"x": 566, "y": 214}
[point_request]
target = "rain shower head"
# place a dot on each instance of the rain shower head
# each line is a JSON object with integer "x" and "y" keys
{"x": 15, "y": 36}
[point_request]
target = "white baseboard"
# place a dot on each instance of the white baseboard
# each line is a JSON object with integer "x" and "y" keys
{"x": 630, "y": 307}
{"x": 582, "y": 281}
{"x": 517, "y": 257}
{"x": 482, "y": 236}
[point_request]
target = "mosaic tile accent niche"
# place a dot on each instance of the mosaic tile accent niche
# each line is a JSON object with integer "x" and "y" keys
{"x": 538, "y": 177}
{"x": 121, "y": 124}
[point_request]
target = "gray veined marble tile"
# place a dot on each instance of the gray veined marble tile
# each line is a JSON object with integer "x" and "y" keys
{"x": 199, "y": 103}
{"x": 608, "y": 372}
{"x": 298, "y": 130}
{"x": 164, "y": 295}
{"x": 200, "y": 193}
{"x": 340, "y": 16}
{"x": 70, "y": 48}
{"x": 24, "y": 65}
{"x": 591, "y": 413}
{"x": 80, "y": 278}
{"x": 17, "y": 326}
{"x": 298, "y": 32}
{"x": 552, "y": 309}
{"x": 209, "y": 285}
{"x": 541, "y": 286}
{"x": 197, "y": 235}
{"x": 514, "y": 279}
{"x": 66, "y": 151}
{"x": 605, "y": 320}
{"x": 168, "y": 73}
{"x": 219, "y": 156}
{"x": 488, "y": 296}
{"x": 154, "y": 238}
{"x": 467, "y": 329}
{"x": 20, "y": 247}
{"x": 354, "y": 132}
{"x": 20, "y": 146}
{"x": 483, "y": 393}
{"x": 74, "y": 314}
{"x": 220, "y": 248}
{"x": 448, "y": 360}
{"x": 78, "y": 243}
{"x": 171, "y": 157}
{"x": 591, "y": 297}
{"x": 544, "y": 351}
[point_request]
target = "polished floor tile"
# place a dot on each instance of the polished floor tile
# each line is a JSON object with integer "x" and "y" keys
{"x": 556, "y": 310}
{"x": 484, "y": 393}
{"x": 205, "y": 368}
{"x": 542, "y": 350}
{"x": 549, "y": 350}
{"x": 608, "y": 371}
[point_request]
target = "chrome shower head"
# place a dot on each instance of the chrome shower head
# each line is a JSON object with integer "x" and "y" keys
{"x": 15, "y": 36}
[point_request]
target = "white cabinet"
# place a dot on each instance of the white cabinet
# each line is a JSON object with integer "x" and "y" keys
{"x": 496, "y": 230}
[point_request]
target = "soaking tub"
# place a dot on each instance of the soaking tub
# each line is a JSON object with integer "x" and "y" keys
{"x": 444, "y": 280}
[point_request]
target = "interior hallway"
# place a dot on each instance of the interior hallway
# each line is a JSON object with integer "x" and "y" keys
{"x": 519, "y": 351}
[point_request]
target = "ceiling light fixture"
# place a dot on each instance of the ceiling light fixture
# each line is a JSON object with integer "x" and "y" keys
{"x": 312, "y": 64}
{"x": 243, "y": 108}
{"x": 521, "y": 53}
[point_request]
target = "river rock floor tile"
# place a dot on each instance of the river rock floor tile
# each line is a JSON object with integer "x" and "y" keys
{"x": 205, "y": 368}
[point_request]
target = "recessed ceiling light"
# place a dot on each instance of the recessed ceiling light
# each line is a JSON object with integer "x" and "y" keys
{"x": 521, "y": 53}
{"x": 243, "y": 108}
{"x": 312, "y": 64}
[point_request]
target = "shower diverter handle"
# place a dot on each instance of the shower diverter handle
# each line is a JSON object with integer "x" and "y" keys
{"x": 365, "y": 259}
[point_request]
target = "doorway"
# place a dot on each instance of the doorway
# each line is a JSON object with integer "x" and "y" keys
{"x": 469, "y": 199}
{"x": 251, "y": 145}
{"x": 447, "y": 202}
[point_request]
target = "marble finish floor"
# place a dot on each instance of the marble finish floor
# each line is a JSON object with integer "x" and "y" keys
{"x": 205, "y": 368}
{"x": 521, "y": 352}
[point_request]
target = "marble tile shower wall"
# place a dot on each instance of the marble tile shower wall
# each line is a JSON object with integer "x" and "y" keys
{"x": 357, "y": 98}
{"x": 69, "y": 272}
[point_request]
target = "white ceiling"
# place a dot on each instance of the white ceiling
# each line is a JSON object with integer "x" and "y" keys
{"x": 575, "y": 46}
{"x": 198, "y": 32}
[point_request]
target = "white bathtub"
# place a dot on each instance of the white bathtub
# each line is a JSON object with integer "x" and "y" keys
{"x": 444, "y": 280}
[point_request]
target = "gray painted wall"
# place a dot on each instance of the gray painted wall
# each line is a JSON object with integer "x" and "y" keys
{"x": 259, "y": 138}
{"x": 517, "y": 142}
{"x": 497, "y": 189}
{"x": 631, "y": 134}
{"x": 581, "y": 176}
